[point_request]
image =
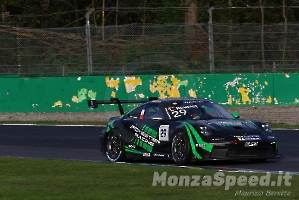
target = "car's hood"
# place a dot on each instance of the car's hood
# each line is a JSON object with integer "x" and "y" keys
{"x": 232, "y": 127}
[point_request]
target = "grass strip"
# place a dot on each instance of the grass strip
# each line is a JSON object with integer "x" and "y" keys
{"x": 60, "y": 179}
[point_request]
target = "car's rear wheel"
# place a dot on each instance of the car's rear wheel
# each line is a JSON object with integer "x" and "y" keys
{"x": 115, "y": 147}
{"x": 181, "y": 152}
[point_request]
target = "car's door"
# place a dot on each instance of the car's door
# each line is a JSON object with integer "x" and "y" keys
{"x": 154, "y": 131}
{"x": 144, "y": 129}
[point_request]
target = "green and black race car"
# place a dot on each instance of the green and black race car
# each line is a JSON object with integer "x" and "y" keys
{"x": 183, "y": 130}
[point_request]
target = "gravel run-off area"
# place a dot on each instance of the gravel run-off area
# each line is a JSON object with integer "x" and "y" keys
{"x": 274, "y": 114}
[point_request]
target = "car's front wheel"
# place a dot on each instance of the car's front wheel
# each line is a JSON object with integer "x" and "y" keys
{"x": 114, "y": 147}
{"x": 181, "y": 152}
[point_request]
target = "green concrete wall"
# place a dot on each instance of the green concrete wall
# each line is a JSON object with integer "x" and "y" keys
{"x": 69, "y": 94}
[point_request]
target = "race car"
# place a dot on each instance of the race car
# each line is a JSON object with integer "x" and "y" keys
{"x": 183, "y": 130}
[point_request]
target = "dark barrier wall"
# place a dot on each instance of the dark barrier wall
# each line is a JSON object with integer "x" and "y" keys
{"x": 69, "y": 94}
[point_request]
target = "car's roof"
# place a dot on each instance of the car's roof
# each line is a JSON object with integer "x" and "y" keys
{"x": 182, "y": 100}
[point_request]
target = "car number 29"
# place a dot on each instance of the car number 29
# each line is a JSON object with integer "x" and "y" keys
{"x": 178, "y": 113}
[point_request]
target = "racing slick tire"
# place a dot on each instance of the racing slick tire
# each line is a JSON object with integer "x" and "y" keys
{"x": 180, "y": 149}
{"x": 115, "y": 151}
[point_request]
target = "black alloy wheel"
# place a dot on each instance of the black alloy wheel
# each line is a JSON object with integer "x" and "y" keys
{"x": 114, "y": 147}
{"x": 181, "y": 153}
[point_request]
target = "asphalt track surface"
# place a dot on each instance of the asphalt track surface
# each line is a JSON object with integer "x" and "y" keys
{"x": 82, "y": 143}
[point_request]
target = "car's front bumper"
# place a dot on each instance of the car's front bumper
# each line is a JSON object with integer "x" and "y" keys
{"x": 237, "y": 152}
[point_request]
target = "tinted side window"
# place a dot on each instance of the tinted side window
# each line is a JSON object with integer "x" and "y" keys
{"x": 152, "y": 110}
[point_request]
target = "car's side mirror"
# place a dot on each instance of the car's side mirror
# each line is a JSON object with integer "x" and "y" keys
{"x": 235, "y": 115}
{"x": 156, "y": 117}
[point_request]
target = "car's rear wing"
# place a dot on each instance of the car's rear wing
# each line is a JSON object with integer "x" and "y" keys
{"x": 95, "y": 103}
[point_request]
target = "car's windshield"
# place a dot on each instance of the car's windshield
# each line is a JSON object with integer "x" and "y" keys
{"x": 216, "y": 111}
{"x": 197, "y": 111}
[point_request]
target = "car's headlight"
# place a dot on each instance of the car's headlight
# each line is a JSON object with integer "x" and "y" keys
{"x": 207, "y": 131}
{"x": 266, "y": 128}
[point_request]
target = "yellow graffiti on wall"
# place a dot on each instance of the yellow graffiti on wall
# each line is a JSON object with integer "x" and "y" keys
{"x": 244, "y": 94}
{"x": 112, "y": 84}
{"x": 113, "y": 94}
{"x": 57, "y": 104}
{"x": 269, "y": 100}
{"x": 230, "y": 100}
{"x": 166, "y": 88}
{"x": 249, "y": 92}
{"x": 192, "y": 93}
{"x": 131, "y": 83}
{"x": 75, "y": 99}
